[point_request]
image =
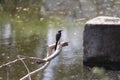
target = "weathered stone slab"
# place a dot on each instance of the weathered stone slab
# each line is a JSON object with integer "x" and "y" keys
{"x": 104, "y": 20}
{"x": 101, "y": 42}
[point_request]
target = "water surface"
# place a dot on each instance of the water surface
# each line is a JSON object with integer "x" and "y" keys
{"x": 15, "y": 42}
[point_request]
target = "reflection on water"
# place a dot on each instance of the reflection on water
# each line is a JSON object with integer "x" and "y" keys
{"x": 13, "y": 44}
{"x": 69, "y": 54}
{"x": 6, "y": 33}
{"x": 48, "y": 73}
{"x": 66, "y": 66}
{"x": 31, "y": 40}
{"x": 7, "y": 36}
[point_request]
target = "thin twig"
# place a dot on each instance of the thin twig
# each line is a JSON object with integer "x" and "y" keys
{"x": 11, "y": 62}
{"x": 35, "y": 71}
{"x": 22, "y": 58}
{"x": 25, "y": 67}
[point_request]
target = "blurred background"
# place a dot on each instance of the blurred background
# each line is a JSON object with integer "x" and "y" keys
{"x": 27, "y": 26}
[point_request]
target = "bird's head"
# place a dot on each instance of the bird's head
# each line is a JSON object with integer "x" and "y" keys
{"x": 60, "y": 31}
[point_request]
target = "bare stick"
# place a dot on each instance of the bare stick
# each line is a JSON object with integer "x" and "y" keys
{"x": 35, "y": 71}
{"x": 48, "y": 58}
{"x": 34, "y": 58}
{"x": 22, "y": 58}
{"x": 11, "y": 62}
{"x": 25, "y": 67}
{"x": 58, "y": 50}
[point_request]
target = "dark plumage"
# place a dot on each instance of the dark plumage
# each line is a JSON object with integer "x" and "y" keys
{"x": 58, "y": 36}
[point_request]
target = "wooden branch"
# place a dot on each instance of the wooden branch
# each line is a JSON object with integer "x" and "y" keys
{"x": 25, "y": 67}
{"x": 22, "y": 58}
{"x": 48, "y": 58}
{"x": 11, "y": 62}
{"x": 35, "y": 71}
{"x": 50, "y": 48}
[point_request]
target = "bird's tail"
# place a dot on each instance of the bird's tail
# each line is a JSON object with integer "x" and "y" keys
{"x": 56, "y": 45}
